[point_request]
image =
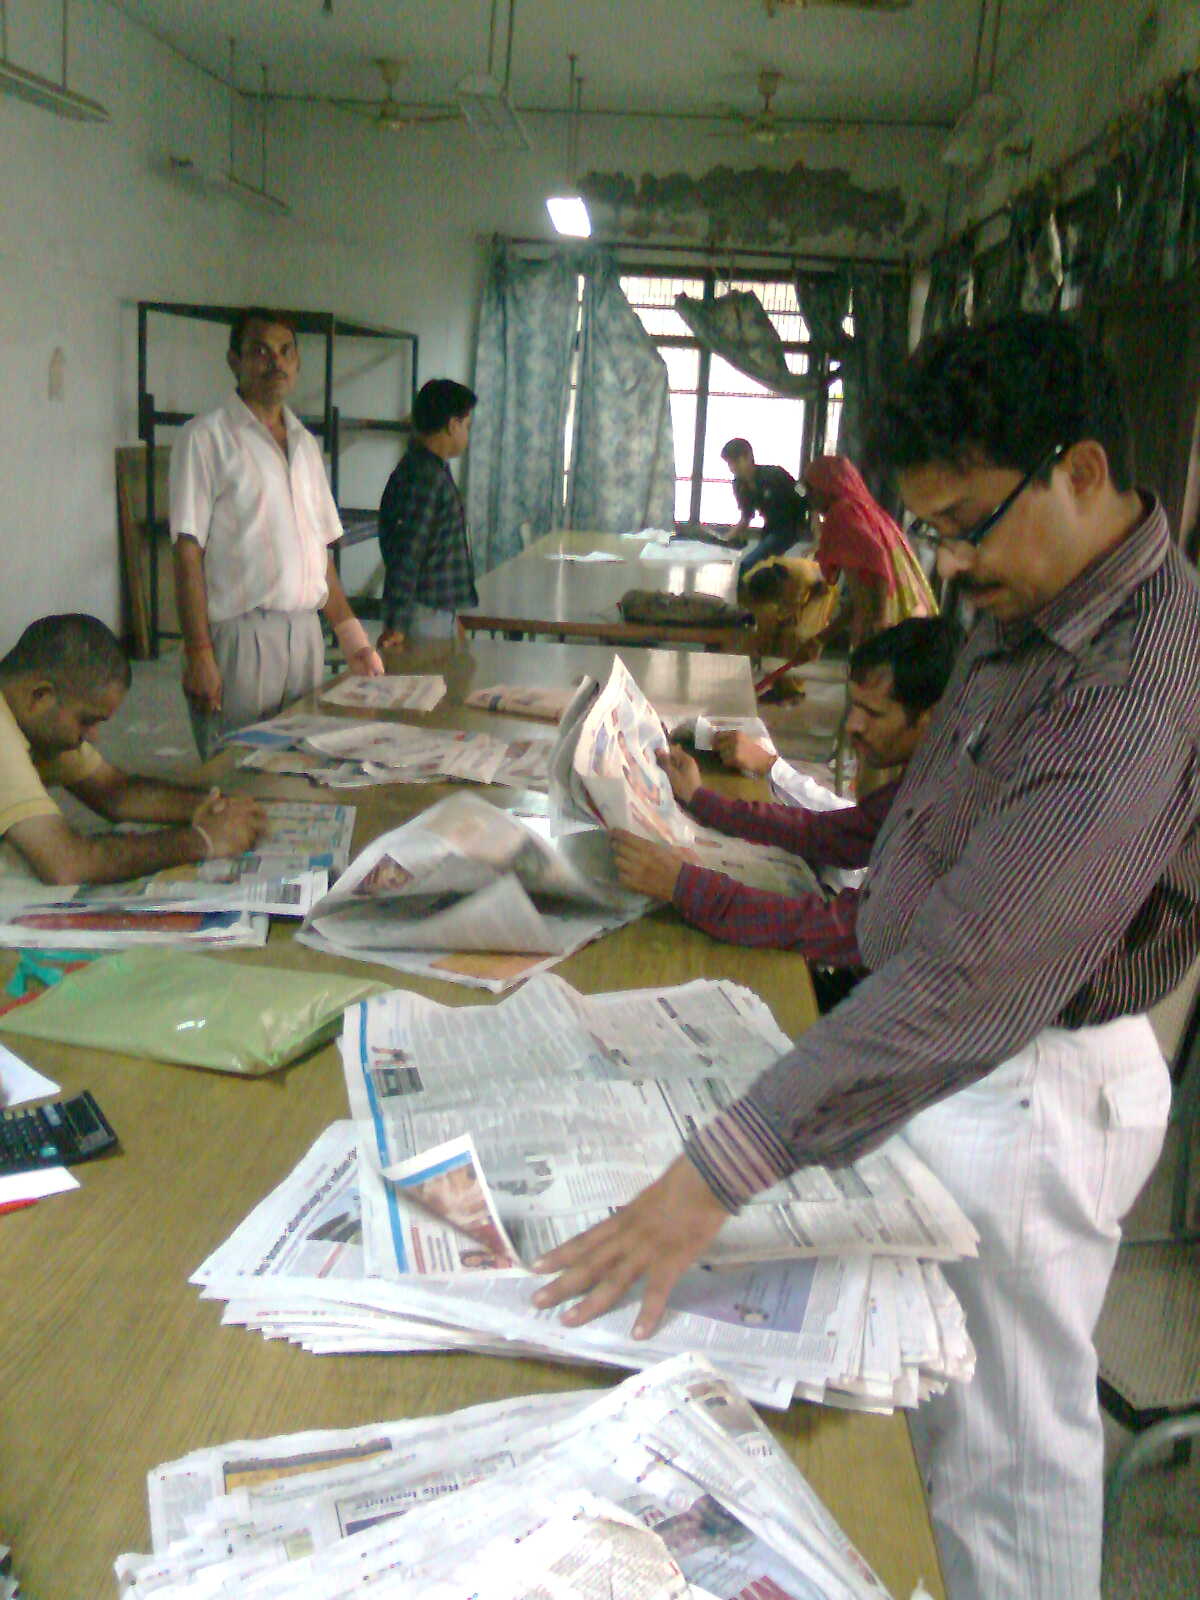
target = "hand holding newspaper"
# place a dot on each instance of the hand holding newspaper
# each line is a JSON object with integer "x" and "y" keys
{"x": 605, "y": 768}
{"x": 488, "y": 1135}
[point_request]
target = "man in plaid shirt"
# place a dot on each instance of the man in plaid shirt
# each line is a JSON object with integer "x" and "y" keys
{"x": 896, "y": 678}
{"x": 429, "y": 574}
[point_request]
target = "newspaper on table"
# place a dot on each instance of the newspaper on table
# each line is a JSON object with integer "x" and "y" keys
{"x": 472, "y": 894}
{"x": 414, "y": 692}
{"x": 604, "y": 768}
{"x": 486, "y": 1136}
{"x": 522, "y": 700}
{"x": 574, "y": 555}
{"x": 222, "y": 901}
{"x": 691, "y": 551}
{"x": 668, "y": 1485}
{"x": 342, "y": 753}
{"x": 394, "y": 752}
{"x": 283, "y": 732}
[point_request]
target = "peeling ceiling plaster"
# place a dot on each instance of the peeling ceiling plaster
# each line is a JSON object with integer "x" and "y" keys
{"x": 745, "y": 205}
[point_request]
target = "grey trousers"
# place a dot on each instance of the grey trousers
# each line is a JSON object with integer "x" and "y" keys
{"x": 266, "y": 659}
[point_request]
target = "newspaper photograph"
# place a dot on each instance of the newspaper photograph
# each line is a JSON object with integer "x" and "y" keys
{"x": 418, "y": 692}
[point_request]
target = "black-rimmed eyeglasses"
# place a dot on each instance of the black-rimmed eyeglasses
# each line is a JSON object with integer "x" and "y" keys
{"x": 976, "y": 535}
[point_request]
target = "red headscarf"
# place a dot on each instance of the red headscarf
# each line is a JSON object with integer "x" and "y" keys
{"x": 857, "y": 535}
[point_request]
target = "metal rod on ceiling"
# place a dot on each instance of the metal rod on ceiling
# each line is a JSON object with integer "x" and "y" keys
{"x": 983, "y": 5}
{"x": 995, "y": 42}
{"x": 889, "y": 263}
{"x": 4, "y": 29}
{"x": 232, "y": 97}
{"x": 508, "y": 49}
{"x": 492, "y": 39}
{"x": 64, "y": 43}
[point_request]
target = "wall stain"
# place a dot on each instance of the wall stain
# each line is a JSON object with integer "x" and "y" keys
{"x": 750, "y": 205}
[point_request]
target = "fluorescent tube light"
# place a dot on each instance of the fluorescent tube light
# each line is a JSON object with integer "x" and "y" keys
{"x": 569, "y": 215}
{"x": 183, "y": 170}
{"x": 50, "y": 96}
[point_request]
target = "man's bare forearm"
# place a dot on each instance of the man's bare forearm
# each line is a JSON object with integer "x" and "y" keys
{"x": 191, "y": 597}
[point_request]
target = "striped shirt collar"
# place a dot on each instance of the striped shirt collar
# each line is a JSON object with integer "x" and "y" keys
{"x": 1074, "y": 616}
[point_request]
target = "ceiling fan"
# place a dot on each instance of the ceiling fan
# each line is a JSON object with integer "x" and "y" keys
{"x": 764, "y": 126}
{"x": 387, "y": 113}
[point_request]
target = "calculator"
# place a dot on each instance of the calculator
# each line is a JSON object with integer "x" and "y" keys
{"x": 60, "y": 1134}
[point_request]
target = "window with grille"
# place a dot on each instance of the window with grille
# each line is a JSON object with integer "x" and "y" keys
{"x": 712, "y": 402}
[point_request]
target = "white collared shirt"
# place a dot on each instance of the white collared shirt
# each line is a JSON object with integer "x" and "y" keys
{"x": 264, "y": 522}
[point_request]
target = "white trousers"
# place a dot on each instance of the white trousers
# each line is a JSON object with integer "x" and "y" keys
{"x": 1045, "y": 1155}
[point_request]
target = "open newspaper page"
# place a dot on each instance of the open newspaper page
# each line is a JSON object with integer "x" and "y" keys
{"x": 467, "y": 879}
{"x": 667, "y": 1485}
{"x": 285, "y": 874}
{"x": 605, "y": 766}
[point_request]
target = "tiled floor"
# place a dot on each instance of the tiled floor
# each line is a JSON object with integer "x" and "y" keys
{"x": 1158, "y": 1556}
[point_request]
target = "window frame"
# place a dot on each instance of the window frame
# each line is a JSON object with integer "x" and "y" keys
{"x": 825, "y": 369}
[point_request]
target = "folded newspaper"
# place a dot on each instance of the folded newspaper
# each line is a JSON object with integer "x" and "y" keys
{"x": 473, "y": 894}
{"x": 224, "y": 901}
{"x": 421, "y": 692}
{"x": 482, "y": 1137}
{"x": 666, "y": 1486}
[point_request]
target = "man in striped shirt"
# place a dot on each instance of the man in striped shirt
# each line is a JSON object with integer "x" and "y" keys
{"x": 896, "y": 679}
{"x": 1035, "y": 888}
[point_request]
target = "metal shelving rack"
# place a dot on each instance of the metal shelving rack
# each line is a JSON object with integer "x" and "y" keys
{"x": 330, "y": 425}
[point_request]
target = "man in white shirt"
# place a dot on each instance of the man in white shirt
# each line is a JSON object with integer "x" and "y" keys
{"x": 252, "y": 520}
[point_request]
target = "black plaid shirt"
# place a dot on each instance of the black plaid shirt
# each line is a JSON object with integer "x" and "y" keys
{"x": 423, "y": 537}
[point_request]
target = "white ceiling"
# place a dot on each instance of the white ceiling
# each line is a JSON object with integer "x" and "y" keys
{"x": 672, "y": 57}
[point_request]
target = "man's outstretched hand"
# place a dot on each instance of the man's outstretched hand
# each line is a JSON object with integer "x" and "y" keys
{"x": 657, "y": 1236}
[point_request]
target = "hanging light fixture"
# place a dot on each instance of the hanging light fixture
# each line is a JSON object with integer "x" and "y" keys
{"x": 568, "y": 210}
{"x": 44, "y": 92}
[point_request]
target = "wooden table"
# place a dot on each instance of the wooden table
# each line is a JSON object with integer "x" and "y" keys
{"x": 111, "y": 1363}
{"x": 531, "y": 595}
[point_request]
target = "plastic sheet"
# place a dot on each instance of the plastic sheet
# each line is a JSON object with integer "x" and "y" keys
{"x": 192, "y": 1010}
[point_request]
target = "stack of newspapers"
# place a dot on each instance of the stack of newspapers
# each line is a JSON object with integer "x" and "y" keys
{"x": 667, "y": 1486}
{"x": 483, "y": 1137}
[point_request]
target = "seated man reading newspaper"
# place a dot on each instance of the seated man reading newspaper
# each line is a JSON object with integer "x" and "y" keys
{"x": 64, "y": 677}
{"x": 896, "y": 678}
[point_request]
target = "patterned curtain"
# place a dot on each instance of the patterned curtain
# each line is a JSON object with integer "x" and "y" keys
{"x": 735, "y": 327}
{"x": 824, "y": 299}
{"x": 1028, "y": 276}
{"x": 877, "y": 352}
{"x": 527, "y": 324}
{"x": 1149, "y": 194}
{"x": 949, "y": 302}
{"x": 623, "y": 466}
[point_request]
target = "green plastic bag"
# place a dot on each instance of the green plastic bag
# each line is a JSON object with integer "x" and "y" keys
{"x": 192, "y": 1010}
